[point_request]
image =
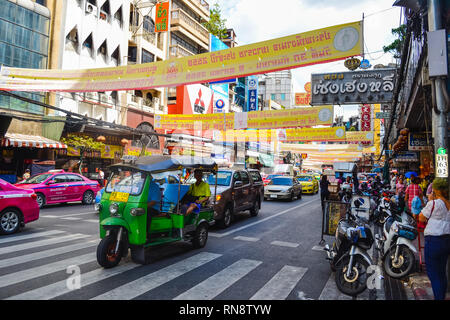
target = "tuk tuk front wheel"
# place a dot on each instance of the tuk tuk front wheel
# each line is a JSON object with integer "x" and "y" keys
{"x": 106, "y": 255}
{"x": 200, "y": 236}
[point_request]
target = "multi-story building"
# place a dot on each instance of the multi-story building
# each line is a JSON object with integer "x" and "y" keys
{"x": 25, "y": 133}
{"x": 278, "y": 87}
{"x": 230, "y": 39}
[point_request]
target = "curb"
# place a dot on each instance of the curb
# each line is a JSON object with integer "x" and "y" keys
{"x": 421, "y": 287}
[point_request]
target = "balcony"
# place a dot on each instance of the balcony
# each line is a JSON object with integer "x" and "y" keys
{"x": 200, "y": 5}
{"x": 186, "y": 25}
{"x": 142, "y": 104}
{"x": 177, "y": 51}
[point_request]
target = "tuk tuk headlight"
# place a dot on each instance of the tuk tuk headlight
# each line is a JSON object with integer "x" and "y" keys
{"x": 113, "y": 208}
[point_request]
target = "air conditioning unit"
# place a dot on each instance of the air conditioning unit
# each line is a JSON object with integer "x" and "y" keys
{"x": 91, "y": 9}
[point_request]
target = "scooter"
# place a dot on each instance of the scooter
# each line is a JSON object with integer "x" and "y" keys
{"x": 396, "y": 244}
{"x": 348, "y": 257}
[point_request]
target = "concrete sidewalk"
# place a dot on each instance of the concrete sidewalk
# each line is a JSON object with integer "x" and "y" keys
{"x": 420, "y": 287}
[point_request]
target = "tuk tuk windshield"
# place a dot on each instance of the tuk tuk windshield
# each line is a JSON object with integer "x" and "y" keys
{"x": 126, "y": 181}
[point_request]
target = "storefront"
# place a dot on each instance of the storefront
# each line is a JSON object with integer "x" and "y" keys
{"x": 20, "y": 152}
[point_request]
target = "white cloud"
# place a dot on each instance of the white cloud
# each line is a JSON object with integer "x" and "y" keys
{"x": 260, "y": 20}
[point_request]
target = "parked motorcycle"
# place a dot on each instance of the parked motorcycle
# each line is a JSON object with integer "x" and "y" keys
{"x": 348, "y": 256}
{"x": 396, "y": 244}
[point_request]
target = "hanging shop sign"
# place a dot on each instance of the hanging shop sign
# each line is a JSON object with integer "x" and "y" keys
{"x": 269, "y": 119}
{"x": 419, "y": 141}
{"x": 252, "y": 93}
{"x": 405, "y": 156}
{"x": 303, "y": 49}
{"x": 162, "y": 17}
{"x": 369, "y": 86}
{"x": 304, "y": 98}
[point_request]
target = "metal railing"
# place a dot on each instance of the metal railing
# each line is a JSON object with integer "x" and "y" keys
{"x": 183, "y": 16}
{"x": 179, "y": 51}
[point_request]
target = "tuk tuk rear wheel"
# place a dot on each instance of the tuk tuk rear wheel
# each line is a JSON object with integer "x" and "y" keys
{"x": 200, "y": 236}
{"x": 105, "y": 252}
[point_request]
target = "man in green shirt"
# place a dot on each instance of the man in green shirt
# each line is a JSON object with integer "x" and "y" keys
{"x": 199, "y": 193}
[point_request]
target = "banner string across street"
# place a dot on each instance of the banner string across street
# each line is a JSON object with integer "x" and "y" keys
{"x": 303, "y": 49}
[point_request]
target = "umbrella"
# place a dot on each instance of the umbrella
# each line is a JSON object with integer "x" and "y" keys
{"x": 410, "y": 174}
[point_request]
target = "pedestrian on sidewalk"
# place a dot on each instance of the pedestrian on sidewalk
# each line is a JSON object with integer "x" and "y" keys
{"x": 324, "y": 192}
{"x": 413, "y": 190}
{"x": 437, "y": 237}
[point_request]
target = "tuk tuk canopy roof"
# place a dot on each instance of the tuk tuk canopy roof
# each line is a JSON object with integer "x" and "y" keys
{"x": 157, "y": 164}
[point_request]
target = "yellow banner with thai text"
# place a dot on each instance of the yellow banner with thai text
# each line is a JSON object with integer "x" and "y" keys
{"x": 302, "y": 49}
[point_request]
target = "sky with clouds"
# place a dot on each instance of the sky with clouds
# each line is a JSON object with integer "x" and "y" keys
{"x": 260, "y": 20}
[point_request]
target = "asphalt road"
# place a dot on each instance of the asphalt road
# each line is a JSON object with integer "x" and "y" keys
{"x": 274, "y": 256}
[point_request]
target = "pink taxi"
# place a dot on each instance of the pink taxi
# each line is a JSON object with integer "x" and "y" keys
{"x": 58, "y": 186}
{"x": 17, "y": 207}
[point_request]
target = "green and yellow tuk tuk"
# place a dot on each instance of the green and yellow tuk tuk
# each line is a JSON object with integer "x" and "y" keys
{"x": 123, "y": 209}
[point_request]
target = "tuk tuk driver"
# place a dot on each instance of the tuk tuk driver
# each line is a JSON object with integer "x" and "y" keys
{"x": 153, "y": 203}
{"x": 200, "y": 191}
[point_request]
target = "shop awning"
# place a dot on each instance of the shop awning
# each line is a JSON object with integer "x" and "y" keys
{"x": 26, "y": 141}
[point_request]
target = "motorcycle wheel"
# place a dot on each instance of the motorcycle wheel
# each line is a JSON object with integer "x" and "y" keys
{"x": 357, "y": 282}
{"x": 404, "y": 264}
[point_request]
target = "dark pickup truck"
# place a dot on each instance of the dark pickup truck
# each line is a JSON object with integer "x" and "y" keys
{"x": 237, "y": 190}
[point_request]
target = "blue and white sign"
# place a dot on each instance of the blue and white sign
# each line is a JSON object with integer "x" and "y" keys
{"x": 221, "y": 102}
{"x": 365, "y": 64}
{"x": 252, "y": 93}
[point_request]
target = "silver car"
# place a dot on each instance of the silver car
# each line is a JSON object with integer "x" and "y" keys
{"x": 283, "y": 187}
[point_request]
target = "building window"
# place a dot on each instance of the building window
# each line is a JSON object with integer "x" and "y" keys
{"x": 118, "y": 16}
{"x": 132, "y": 54}
{"x": 272, "y": 96}
{"x": 283, "y": 96}
{"x": 147, "y": 56}
{"x": 116, "y": 56}
{"x": 148, "y": 24}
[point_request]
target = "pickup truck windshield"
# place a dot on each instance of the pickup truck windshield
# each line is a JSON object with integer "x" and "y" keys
{"x": 281, "y": 182}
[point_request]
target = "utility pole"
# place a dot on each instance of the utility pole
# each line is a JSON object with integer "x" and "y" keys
{"x": 439, "y": 119}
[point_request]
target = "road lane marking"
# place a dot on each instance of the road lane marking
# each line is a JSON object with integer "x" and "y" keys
{"x": 46, "y": 253}
{"x": 153, "y": 280}
{"x": 40, "y": 243}
{"x": 281, "y": 285}
{"x": 92, "y": 220}
{"x": 71, "y": 218}
{"x": 29, "y": 236}
{"x": 59, "y": 288}
{"x": 318, "y": 248}
{"x": 220, "y": 235}
{"x": 28, "y": 274}
{"x": 246, "y": 239}
{"x": 285, "y": 244}
{"x": 67, "y": 215}
{"x": 219, "y": 282}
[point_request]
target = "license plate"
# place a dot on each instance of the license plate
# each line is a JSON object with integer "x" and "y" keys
{"x": 273, "y": 196}
{"x": 119, "y": 196}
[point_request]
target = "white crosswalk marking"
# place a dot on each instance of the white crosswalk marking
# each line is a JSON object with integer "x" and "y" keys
{"x": 251, "y": 239}
{"x": 30, "y": 236}
{"x": 285, "y": 244}
{"x": 46, "y": 253}
{"x": 13, "y": 278}
{"x": 157, "y": 278}
{"x": 40, "y": 243}
{"x": 59, "y": 288}
{"x": 281, "y": 285}
{"x": 217, "y": 283}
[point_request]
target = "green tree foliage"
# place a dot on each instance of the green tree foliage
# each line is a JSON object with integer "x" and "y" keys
{"x": 396, "y": 47}
{"x": 82, "y": 143}
{"x": 216, "y": 24}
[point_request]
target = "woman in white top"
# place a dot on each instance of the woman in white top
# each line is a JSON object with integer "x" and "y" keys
{"x": 437, "y": 236}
